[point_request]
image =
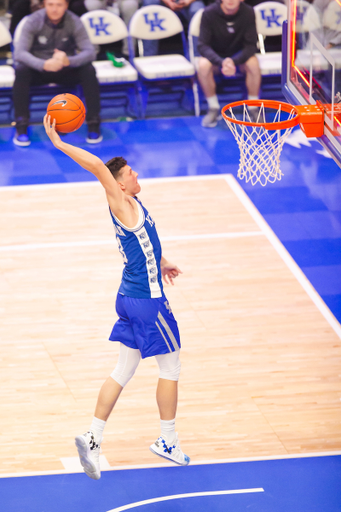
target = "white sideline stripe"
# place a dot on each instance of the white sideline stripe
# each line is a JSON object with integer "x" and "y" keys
{"x": 193, "y": 463}
{"x": 283, "y": 253}
{"x": 181, "y": 496}
{"x": 73, "y": 464}
{"x": 85, "y": 243}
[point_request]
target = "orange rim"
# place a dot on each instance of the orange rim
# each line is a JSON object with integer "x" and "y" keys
{"x": 281, "y": 125}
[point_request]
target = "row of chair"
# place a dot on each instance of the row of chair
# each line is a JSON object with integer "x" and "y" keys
{"x": 140, "y": 76}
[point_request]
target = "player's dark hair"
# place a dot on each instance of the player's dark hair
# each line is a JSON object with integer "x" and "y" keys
{"x": 115, "y": 165}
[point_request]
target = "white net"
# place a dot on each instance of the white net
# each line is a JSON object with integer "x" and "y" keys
{"x": 260, "y": 149}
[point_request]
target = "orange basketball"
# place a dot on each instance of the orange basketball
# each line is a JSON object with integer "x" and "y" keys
{"x": 68, "y": 111}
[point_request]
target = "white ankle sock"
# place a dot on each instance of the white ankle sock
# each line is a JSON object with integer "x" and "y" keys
{"x": 97, "y": 427}
{"x": 213, "y": 102}
{"x": 250, "y": 97}
{"x": 168, "y": 430}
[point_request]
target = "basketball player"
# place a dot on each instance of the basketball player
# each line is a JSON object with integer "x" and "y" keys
{"x": 146, "y": 326}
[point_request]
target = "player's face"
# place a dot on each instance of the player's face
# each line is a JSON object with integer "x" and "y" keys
{"x": 128, "y": 178}
{"x": 55, "y": 9}
{"x": 230, "y": 6}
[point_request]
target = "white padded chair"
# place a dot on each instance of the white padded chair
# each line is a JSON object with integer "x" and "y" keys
{"x": 6, "y": 72}
{"x": 331, "y": 23}
{"x": 269, "y": 20}
{"x": 194, "y": 31}
{"x": 155, "y": 22}
{"x": 104, "y": 27}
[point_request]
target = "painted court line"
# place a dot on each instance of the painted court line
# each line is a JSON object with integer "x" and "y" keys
{"x": 165, "y": 465}
{"x": 86, "y": 243}
{"x": 283, "y": 253}
{"x": 181, "y": 496}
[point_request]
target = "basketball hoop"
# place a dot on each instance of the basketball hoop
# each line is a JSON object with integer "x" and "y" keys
{"x": 260, "y": 132}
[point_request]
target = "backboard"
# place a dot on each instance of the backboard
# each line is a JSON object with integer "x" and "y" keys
{"x": 311, "y": 71}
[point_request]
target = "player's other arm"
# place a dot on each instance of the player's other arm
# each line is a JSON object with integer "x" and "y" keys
{"x": 88, "y": 161}
{"x": 169, "y": 271}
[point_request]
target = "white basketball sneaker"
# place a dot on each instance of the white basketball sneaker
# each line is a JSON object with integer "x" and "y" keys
{"x": 171, "y": 452}
{"x": 89, "y": 450}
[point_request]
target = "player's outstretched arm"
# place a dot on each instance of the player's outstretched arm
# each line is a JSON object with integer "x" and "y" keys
{"x": 86, "y": 160}
{"x": 169, "y": 271}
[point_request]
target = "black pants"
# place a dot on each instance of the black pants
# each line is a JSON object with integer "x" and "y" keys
{"x": 83, "y": 75}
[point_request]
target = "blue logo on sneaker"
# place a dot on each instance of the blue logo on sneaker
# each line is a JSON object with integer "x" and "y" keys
{"x": 167, "y": 449}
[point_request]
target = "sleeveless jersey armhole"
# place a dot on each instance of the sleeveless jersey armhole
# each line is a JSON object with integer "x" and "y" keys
{"x": 139, "y": 223}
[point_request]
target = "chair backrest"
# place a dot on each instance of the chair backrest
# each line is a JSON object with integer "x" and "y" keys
{"x": 331, "y": 16}
{"x": 5, "y": 35}
{"x": 194, "y": 31}
{"x": 18, "y": 30}
{"x": 270, "y": 17}
{"x": 104, "y": 27}
{"x": 194, "y": 26}
{"x": 307, "y": 17}
{"x": 154, "y": 22}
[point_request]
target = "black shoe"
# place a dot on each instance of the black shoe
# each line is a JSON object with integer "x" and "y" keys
{"x": 21, "y": 138}
{"x": 94, "y": 133}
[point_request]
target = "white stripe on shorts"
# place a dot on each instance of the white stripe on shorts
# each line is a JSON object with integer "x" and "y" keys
{"x": 168, "y": 331}
{"x": 164, "y": 337}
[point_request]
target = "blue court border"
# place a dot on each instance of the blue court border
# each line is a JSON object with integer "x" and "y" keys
{"x": 309, "y": 484}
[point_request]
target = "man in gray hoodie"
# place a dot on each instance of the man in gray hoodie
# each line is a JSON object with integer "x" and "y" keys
{"x": 54, "y": 47}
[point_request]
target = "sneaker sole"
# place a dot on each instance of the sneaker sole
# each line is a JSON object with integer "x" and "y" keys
{"x": 94, "y": 141}
{"x": 83, "y": 452}
{"x": 212, "y": 125}
{"x": 168, "y": 458}
{"x": 21, "y": 144}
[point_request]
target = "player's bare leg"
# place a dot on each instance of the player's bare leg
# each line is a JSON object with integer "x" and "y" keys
{"x": 89, "y": 444}
{"x": 107, "y": 398}
{"x": 168, "y": 445}
{"x": 167, "y": 398}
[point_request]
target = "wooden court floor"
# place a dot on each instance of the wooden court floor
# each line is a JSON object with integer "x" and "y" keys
{"x": 260, "y": 357}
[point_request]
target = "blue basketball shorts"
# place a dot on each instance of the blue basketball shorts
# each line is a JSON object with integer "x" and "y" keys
{"x": 146, "y": 324}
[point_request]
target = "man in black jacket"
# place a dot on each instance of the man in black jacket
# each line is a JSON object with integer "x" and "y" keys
{"x": 227, "y": 42}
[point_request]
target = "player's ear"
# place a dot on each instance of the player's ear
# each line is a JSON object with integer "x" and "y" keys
{"x": 121, "y": 185}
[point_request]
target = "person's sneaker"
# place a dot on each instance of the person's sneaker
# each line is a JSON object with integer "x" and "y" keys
{"x": 171, "y": 452}
{"x": 211, "y": 118}
{"x": 88, "y": 451}
{"x": 22, "y": 140}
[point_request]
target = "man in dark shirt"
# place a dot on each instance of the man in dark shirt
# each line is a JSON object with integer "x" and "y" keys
{"x": 227, "y": 41}
{"x": 54, "y": 47}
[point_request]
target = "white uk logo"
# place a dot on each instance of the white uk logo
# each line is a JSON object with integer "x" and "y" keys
{"x": 150, "y": 220}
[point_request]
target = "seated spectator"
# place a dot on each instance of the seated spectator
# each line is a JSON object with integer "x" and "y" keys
{"x": 227, "y": 43}
{"x": 54, "y": 48}
{"x": 184, "y": 8}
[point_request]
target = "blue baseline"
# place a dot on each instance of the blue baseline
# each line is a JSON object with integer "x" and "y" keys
{"x": 303, "y": 209}
{"x": 290, "y": 485}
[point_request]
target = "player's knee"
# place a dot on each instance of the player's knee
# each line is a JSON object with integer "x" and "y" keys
{"x": 169, "y": 365}
{"x": 126, "y": 366}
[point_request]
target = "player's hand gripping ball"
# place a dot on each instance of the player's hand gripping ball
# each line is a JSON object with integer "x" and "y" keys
{"x": 68, "y": 111}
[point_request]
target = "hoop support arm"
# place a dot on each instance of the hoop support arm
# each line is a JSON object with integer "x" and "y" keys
{"x": 311, "y": 119}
